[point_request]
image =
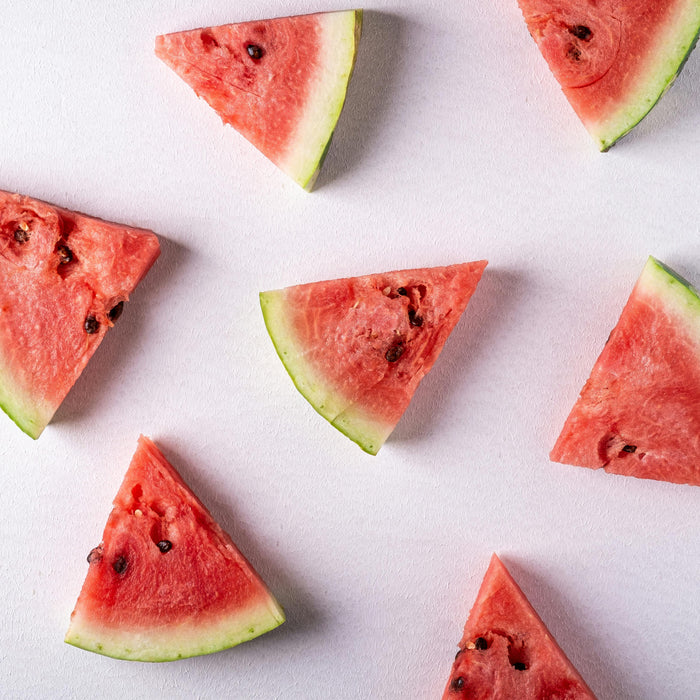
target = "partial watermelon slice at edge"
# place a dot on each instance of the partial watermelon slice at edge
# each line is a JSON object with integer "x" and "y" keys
{"x": 639, "y": 412}
{"x": 167, "y": 582}
{"x": 614, "y": 61}
{"x": 287, "y": 101}
{"x": 64, "y": 279}
{"x": 506, "y": 650}
{"x": 357, "y": 348}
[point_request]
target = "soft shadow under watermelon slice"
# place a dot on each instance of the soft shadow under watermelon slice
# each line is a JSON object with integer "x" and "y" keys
{"x": 64, "y": 278}
{"x": 613, "y": 60}
{"x": 358, "y": 347}
{"x": 167, "y": 582}
{"x": 280, "y": 82}
{"x": 639, "y": 412}
{"x": 507, "y": 652}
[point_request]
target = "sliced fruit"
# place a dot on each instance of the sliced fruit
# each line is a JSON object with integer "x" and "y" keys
{"x": 280, "y": 82}
{"x": 613, "y": 59}
{"x": 166, "y": 582}
{"x": 357, "y": 348}
{"x": 507, "y": 652}
{"x": 64, "y": 278}
{"x": 639, "y": 412}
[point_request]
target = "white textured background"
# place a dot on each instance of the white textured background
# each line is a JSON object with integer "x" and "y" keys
{"x": 456, "y": 144}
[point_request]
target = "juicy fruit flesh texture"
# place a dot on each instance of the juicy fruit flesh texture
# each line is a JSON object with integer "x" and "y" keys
{"x": 357, "y": 348}
{"x": 62, "y": 273}
{"x": 148, "y": 602}
{"x": 613, "y": 60}
{"x": 280, "y": 82}
{"x": 639, "y": 412}
{"x": 506, "y": 650}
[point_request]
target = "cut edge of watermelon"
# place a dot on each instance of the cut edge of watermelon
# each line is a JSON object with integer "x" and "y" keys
{"x": 369, "y": 433}
{"x": 172, "y": 643}
{"x": 311, "y": 140}
{"x": 672, "y": 50}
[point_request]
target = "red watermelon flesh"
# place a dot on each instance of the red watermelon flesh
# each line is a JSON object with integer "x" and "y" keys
{"x": 639, "y": 412}
{"x": 507, "y": 652}
{"x": 613, "y": 58}
{"x": 358, "y": 347}
{"x": 167, "y": 582}
{"x": 280, "y": 82}
{"x": 64, "y": 278}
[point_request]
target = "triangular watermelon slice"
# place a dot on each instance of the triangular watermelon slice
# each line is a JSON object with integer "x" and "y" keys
{"x": 64, "y": 278}
{"x": 167, "y": 582}
{"x": 639, "y": 412}
{"x": 507, "y": 653}
{"x": 280, "y": 82}
{"x": 613, "y": 59}
{"x": 358, "y": 347}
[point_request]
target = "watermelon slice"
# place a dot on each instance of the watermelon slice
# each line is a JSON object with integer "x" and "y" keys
{"x": 280, "y": 82}
{"x": 639, "y": 412}
{"x": 64, "y": 278}
{"x": 507, "y": 652}
{"x": 614, "y": 59}
{"x": 357, "y": 348}
{"x": 167, "y": 582}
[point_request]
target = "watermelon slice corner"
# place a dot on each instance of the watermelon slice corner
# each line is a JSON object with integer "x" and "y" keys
{"x": 166, "y": 582}
{"x": 639, "y": 412}
{"x": 506, "y": 650}
{"x": 357, "y": 348}
{"x": 614, "y": 60}
{"x": 281, "y": 83}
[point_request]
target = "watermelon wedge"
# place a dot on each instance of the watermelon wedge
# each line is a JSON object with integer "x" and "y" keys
{"x": 280, "y": 82}
{"x": 167, "y": 582}
{"x": 614, "y": 59}
{"x": 357, "y": 348}
{"x": 639, "y": 412}
{"x": 506, "y": 651}
{"x": 64, "y": 278}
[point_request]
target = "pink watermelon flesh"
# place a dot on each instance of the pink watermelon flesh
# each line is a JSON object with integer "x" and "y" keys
{"x": 280, "y": 82}
{"x": 167, "y": 582}
{"x": 507, "y": 652}
{"x": 639, "y": 412}
{"x": 64, "y": 278}
{"x": 613, "y": 58}
{"x": 357, "y": 348}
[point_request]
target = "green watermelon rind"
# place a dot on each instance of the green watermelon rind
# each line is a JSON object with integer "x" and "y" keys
{"x": 676, "y": 293}
{"x": 368, "y": 432}
{"x": 311, "y": 140}
{"x": 671, "y": 53}
{"x": 173, "y": 643}
{"x": 30, "y": 415}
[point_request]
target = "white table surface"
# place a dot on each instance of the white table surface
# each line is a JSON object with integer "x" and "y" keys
{"x": 456, "y": 144}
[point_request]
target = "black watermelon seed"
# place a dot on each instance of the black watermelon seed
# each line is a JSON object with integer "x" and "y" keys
{"x": 520, "y": 666}
{"x": 95, "y": 555}
{"x": 394, "y": 352}
{"x": 581, "y": 31}
{"x": 65, "y": 254}
{"x": 414, "y": 319}
{"x": 120, "y": 565}
{"x": 630, "y": 448}
{"x": 91, "y": 325}
{"x": 116, "y": 311}
{"x": 457, "y": 683}
{"x": 21, "y": 236}
{"x": 165, "y": 546}
{"x": 481, "y": 644}
{"x": 254, "y": 51}
{"x": 574, "y": 53}
{"x": 402, "y": 291}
